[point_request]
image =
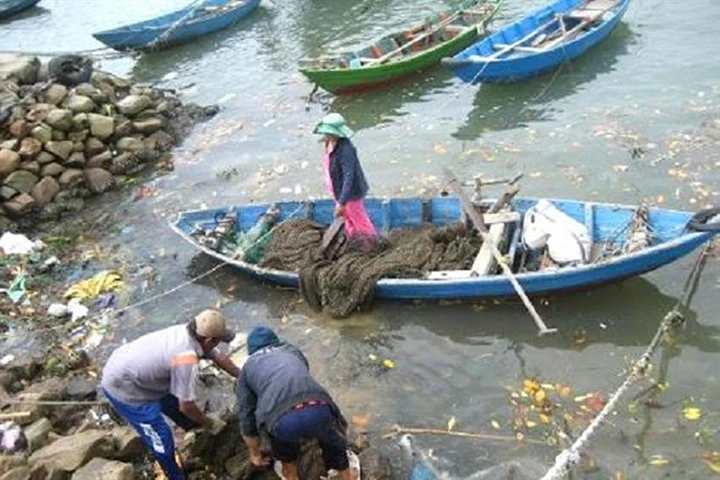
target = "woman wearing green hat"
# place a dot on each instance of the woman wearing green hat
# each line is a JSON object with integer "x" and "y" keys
{"x": 344, "y": 176}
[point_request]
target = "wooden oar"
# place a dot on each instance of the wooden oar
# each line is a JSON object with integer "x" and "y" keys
{"x": 479, "y": 59}
{"x": 331, "y": 233}
{"x": 476, "y": 218}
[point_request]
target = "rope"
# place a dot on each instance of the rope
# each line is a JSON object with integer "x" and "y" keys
{"x": 571, "y": 456}
{"x": 166, "y": 34}
{"x": 110, "y": 314}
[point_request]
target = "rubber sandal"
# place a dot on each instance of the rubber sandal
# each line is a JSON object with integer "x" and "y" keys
{"x": 277, "y": 466}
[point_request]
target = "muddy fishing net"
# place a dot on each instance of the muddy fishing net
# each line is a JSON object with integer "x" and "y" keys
{"x": 346, "y": 283}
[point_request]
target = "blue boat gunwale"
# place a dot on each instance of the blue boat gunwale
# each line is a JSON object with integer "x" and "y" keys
{"x": 692, "y": 239}
{"x": 149, "y": 24}
{"x": 533, "y": 62}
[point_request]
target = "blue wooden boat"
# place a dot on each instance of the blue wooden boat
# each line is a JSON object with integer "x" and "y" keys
{"x": 539, "y": 42}
{"x": 672, "y": 238}
{"x": 11, "y": 7}
{"x": 197, "y": 19}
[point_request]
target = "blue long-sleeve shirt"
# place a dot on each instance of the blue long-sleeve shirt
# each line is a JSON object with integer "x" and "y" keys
{"x": 348, "y": 178}
{"x": 272, "y": 382}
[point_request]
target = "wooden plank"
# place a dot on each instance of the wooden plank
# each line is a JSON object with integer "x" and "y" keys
{"x": 331, "y": 234}
{"x": 485, "y": 262}
{"x": 479, "y": 58}
{"x": 590, "y": 225}
{"x": 502, "y": 217}
{"x": 505, "y": 199}
{"x": 480, "y": 225}
{"x": 449, "y": 275}
{"x": 519, "y": 48}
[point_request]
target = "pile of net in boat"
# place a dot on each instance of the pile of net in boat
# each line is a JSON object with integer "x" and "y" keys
{"x": 346, "y": 283}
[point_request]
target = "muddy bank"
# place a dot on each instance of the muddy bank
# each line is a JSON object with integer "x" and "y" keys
{"x": 67, "y": 138}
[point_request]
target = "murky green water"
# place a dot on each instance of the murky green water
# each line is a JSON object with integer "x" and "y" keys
{"x": 653, "y": 88}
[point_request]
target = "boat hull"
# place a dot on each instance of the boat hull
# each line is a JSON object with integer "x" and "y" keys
{"x": 603, "y": 220}
{"x": 366, "y": 77}
{"x": 523, "y": 67}
{"x": 143, "y": 36}
{"x": 11, "y": 7}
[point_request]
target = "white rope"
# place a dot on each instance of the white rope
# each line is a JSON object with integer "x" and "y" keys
{"x": 166, "y": 34}
{"x": 571, "y": 456}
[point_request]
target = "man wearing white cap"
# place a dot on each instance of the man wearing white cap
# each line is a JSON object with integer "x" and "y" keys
{"x": 156, "y": 374}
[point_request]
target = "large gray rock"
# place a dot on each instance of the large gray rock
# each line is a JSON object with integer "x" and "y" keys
{"x": 98, "y": 180}
{"x": 67, "y": 454}
{"x": 101, "y": 126}
{"x": 102, "y": 160}
{"x": 6, "y": 193}
{"x": 19, "y": 128}
{"x": 148, "y": 126}
{"x": 22, "y": 69}
{"x": 98, "y": 468}
{"x": 59, "y": 135}
{"x": 374, "y": 465}
{"x": 45, "y": 157}
{"x": 81, "y": 388}
{"x": 9, "y": 144}
{"x": 60, "y": 119}
{"x": 8, "y": 462}
{"x": 124, "y": 162}
{"x": 52, "y": 170}
{"x": 45, "y": 190}
{"x": 60, "y": 149}
{"x": 128, "y": 444}
{"x": 37, "y": 433}
{"x": 21, "y": 180}
{"x": 76, "y": 160}
{"x": 9, "y": 161}
{"x": 17, "y": 473}
{"x": 38, "y": 112}
{"x": 79, "y": 136}
{"x": 71, "y": 176}
{"x": 56, "y": 93}
{"x": 124, "y": 128}
{"x": 19, "y": 205}
{"x": 93, "y": 146}
{"x": 81, "y": 121}
{"x": 133, "y": 104}
{"x": 32, "y": 167}
{"x": 42, "y": 133}
{"x": 30, "y": 147}
{"x": 130, "y": 144}
{"x": 80, "y": 104}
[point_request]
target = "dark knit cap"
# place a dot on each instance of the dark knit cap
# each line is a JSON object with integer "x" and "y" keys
{"x": 261, "y": 337}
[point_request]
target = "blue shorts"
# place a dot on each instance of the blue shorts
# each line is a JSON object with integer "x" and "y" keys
{"x": 309, "y": 422}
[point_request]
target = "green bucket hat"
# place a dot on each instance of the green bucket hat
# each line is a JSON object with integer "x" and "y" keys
{"x": 334, "y": 124}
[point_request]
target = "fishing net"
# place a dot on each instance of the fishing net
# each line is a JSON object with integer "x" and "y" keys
{"x": 346, "y": 284}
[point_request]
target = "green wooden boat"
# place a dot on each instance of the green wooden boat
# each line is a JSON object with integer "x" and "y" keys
{"x": 404, "y": 52}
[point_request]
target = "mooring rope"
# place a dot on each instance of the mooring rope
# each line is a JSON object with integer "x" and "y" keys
{"x": 674, "y": 318}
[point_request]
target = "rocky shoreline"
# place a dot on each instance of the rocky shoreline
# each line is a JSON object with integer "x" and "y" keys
{"x": 61, "y": 145}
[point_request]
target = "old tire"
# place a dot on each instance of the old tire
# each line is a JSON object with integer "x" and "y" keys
{"x": 70, "y": 70}
{"x": 699, "y": 221}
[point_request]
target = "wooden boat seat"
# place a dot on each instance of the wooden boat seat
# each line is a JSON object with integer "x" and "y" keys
{"x": 592, "y": 10}
{"x": 454, "y": 28}
{"x": 519, "y": 48}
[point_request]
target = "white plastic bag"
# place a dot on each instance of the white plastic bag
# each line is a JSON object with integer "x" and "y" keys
{"x": 568, "y": 241}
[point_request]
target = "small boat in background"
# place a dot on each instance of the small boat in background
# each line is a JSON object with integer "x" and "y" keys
{"x": 11, "y": 7}
{"x": 619, "y": 250}
{"x": 197, "y": 19}
{"x": 539, "y": 42}
{"x": 403, "y": 52}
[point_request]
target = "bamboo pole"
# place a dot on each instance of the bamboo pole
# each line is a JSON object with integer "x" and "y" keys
{"x": 478, "y": 221}
{"x": 399, "y": 430}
